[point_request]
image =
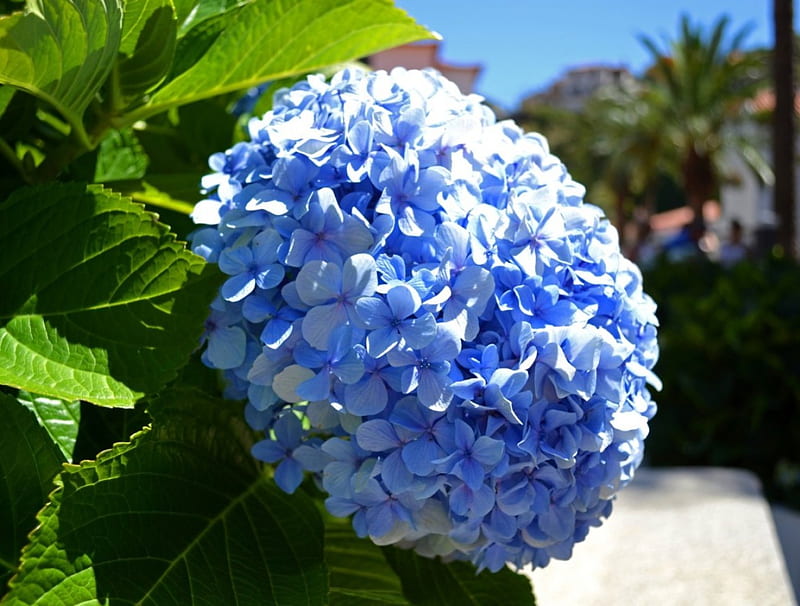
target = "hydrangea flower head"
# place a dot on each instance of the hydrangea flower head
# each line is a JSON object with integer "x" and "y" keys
{"x": 422, "y": 312}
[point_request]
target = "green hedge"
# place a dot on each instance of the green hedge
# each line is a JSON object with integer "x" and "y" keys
{"x": 730, "y": 363}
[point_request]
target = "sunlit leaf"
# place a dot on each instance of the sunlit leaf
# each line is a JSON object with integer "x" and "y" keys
{"x": 149, "y": 36}
{"x": 180, "y": 515}
{"x": 271, "y": 39}
{"x": 120, "y": 157}
{"x": 113, "y": 304}
{"x": 61, "y": 51}
{"x": 29, "y": 460}
{"x": 59, "y": 418}
{"x": 192, "y": 12}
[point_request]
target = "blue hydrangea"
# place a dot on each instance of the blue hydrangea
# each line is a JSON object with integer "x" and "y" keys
{"x": 422, "y": 312}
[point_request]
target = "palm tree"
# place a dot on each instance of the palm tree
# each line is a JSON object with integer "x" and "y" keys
{"x": 700, "y": 82}
{"x": 783, "y": 124}
{"x": 627, "y": 143}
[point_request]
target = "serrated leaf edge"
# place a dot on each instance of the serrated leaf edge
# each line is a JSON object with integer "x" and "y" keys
{"x": 54, "y": 498}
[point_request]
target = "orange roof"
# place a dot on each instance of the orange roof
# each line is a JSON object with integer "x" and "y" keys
{"x": 672, "y": 220}
{"x": 764, "y": 102}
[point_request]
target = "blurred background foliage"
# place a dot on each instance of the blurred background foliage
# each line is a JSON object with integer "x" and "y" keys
{"x": 671, "y": 127}
{"x": 731, "y": 371}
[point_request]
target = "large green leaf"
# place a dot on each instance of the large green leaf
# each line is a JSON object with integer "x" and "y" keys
{"x": 193, "y": 12}
{"x": 134, "y": 21}
{"x": 180, "y": 515}
{"x": 120, "y": 157}
{"x": 59, "y": 418}
{"x": 149, "y": 36}
{"x": 270, "y": 39}
{"x": 61, "y": 51}
{"x": 429, "y": 582}
{"x": 29, "y": 460}
{"x": 359, "y": 574}
{"x": 101, "y": 303}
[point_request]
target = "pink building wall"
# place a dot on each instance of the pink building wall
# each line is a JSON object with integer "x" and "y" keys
{"x": 425, "y": 54}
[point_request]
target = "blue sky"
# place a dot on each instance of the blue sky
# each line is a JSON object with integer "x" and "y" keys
{"x": 525, "y": 44}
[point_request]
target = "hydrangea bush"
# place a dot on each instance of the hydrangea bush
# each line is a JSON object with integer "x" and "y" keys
{"x": 421, "y": 311}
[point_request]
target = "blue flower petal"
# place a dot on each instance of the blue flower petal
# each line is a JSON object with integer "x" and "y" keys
{"x": 319, "y": 282}
{"x": 317, "y": 387}
{"x": 433, "y": 390}
{"x": 380, "y": 520}
{"x": 373, "y": 312}
{"x": 288, "y": 430}
{"x": 382, "y": 340}
{"x": 395, "y": 474}
{"x": 320, "y": 321}
{"x": 419, "y": 455}
{"x": 268, "y": 451}
{"x": 470, "y": 471}
{"x": 377, "y": 435}
{"x": 368, "y": 397}
{"x": 341, "y": 507}
{"x": 289, "y": 475}
{"x": 350, "y": 368}
{"x": 419, "y": 332}
{"x": 238, "y": 287}
{"x": 403, "y": 300}
{"x": 234, "y": 261}
{"x": 270, "y": 276}
{"x": 487, "y": 451}
{"x": 359, "y": 276}
{"x": 226, "y": 347}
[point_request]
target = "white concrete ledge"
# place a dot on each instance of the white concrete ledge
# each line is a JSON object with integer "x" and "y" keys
{"x": 677, "y": 536}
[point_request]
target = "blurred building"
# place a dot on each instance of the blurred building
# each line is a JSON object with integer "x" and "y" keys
{"x": 744, "y": 195}
{"x": 420, "y": 55}
{"x": 574, "y": 88}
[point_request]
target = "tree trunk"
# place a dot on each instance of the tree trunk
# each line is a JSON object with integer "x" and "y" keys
{"x": 698, "y": 184}
{"x": 783, "y": 125}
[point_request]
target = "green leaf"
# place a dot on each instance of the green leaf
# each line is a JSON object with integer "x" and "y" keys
{"x": 178, "y": 147}
{"x": 101, "y": 427}
{"x": 359, "y": 573}
{"x": 432, "y": 582}
{"x": 180, "y": 515}
{"x": 59, "y": 418}
{"x": 29, "y": 460}
{"x": 164, "y": 195}
{"x": 134, "y": 21}
{"x": 61, "y": 51}
{"x": 6, "y": 93}
{"x": 200, "y": 10}
{"x": 267, "y": 40}
{"x": 120, "y": 157}
{"x": 149, "y": 37}
{"x": 105, "y": 304}
{"x": 195, "y": 42}
{"x": 183, "y": 142}
{"x": 184, "y": 9}
{"x": 17, "y": 113}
